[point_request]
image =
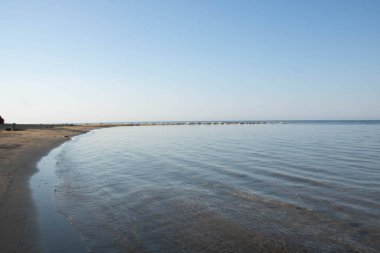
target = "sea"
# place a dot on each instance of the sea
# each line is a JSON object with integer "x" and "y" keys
{"x": 303, "y": 186}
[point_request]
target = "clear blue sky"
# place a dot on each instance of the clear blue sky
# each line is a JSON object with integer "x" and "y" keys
{"x": 89, "y": 61}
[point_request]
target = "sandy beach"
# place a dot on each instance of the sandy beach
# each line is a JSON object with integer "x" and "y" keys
{"x": 19, "y": 153}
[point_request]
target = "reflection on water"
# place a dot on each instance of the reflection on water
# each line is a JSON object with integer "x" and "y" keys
{"x": 239, "y": 188}
{"x": 56, "y": 234}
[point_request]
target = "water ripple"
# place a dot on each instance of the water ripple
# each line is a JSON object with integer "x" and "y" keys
{"x": 254, "y": 188}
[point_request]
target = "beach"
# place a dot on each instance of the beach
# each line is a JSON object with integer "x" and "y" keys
{"x": 192, "y": 187}
{"x": 19, "y": 153}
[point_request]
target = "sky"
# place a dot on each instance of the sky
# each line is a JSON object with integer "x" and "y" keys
{"x": 119, "y": 61}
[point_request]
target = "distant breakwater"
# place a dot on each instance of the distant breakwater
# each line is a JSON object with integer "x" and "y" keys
{"x": 178, "y": 123}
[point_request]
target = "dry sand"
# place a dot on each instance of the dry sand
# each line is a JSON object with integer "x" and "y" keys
{"x": 19, "y": 153}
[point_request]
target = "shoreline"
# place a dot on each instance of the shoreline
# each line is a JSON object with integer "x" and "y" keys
{"x": 20, "y": 151}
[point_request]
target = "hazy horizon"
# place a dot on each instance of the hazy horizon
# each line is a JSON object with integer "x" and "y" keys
{"x": 129, "y": 61}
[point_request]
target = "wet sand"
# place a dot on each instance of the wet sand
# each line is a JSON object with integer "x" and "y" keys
{"x": 19, "y": 153}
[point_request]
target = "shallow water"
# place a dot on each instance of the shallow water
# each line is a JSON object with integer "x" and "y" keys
{"x": 297, "y": 187}
{"x": 56, "y": 234}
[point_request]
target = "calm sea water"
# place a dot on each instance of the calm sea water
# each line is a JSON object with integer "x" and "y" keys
{"x": 297, "y": 187}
